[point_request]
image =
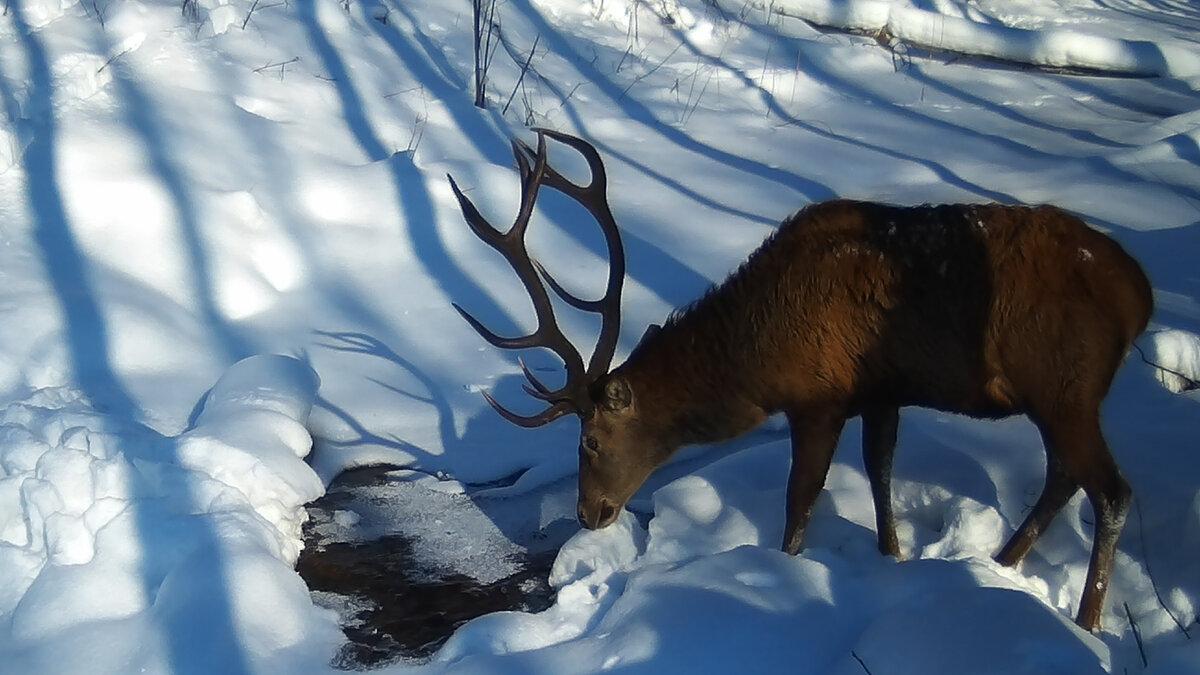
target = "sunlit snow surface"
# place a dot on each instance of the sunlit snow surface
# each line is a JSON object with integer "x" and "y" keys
{"x": 181, "y": 190}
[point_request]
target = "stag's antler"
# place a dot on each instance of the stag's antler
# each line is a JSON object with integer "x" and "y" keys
{"x": 573, "y": 395}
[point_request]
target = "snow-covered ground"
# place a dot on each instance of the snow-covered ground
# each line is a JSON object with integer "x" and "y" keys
{"x": 181, "y": 190}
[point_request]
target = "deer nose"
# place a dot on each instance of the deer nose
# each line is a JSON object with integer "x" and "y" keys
{"x": 602, "y": 516}
{"x": 608, "y": 513}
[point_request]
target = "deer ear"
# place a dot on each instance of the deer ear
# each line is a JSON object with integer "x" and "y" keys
{"x": 616, "y": 395}
{"x": 651, "y": 331}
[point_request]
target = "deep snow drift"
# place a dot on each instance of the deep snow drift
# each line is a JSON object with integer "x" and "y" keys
{"x": 182, "y": 190}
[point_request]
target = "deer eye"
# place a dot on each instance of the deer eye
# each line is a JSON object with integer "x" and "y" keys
{"x": 589, "y": 449}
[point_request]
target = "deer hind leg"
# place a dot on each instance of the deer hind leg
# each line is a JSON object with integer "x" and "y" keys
{"x": 1083, "y": 459}
{"x": 814, "y": 438}
{"x": 1057, "y": 492}
{"x": 879, "y": 443}
{"x": 1109, "y": 494}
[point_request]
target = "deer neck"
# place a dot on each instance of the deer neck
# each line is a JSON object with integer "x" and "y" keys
{"x": 690, "y": 388}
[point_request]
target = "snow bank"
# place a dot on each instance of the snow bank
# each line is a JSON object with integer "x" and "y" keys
{"x": 180, "y": 548}
{"x": 1050, "y": 47}
{"x": 1176, "y": 355}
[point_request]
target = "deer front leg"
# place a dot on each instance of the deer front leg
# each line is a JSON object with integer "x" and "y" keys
{"x": 814, "y": 438}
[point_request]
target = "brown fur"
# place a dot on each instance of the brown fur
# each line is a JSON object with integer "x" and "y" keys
{"x": 850, "y": 308}
{"x": 856, "y": 308}
{"x": 983, "y": 310}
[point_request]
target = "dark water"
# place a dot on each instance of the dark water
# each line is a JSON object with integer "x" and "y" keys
{"x": 392, "y": 605}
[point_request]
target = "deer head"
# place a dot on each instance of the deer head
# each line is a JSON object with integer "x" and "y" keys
{"x": 616, "y": 453}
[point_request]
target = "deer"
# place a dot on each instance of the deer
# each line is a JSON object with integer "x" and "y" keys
{"x": 849, "y": 308}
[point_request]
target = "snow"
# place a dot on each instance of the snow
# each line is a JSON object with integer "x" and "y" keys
{"x": 229, "y": 255}
{"x": 150, "y": 547}
{"x": 987, "y": 29}
{"x": 1176, "y": 353}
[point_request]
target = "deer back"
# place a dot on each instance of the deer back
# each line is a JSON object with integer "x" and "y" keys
{"x": 968, "y": 308}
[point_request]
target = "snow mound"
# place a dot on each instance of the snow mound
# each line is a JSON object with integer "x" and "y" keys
{"x": 971, "y": 32}
{"x": 1175, "y": 354}
{"x": 184, "y": 544}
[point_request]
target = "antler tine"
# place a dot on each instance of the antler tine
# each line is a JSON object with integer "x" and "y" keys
{"x": 599, "y": 176}
{"x": 494, "y": 339}
{"x": 548, "y": 415}
{"x": 531, "y": 180}
{"x": 593, "y": 197}
{"x": 538, "y": 390}
{"x": 570, "y": 298}
{"x": 475, "y": 220}
{"x": 572, "y": 396}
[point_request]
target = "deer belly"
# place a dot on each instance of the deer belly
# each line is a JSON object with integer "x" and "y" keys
{"x": 987, "y": 397}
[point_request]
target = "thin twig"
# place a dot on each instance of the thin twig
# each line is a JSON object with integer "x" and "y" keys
{"x": 1137, "y": 507}
{"x": 485, "y": 48}
{"x": 414, "y": 141}
{"x": 634, "y": 23}
{"x": 524, "y": 69}
{"x": 493, "y": 25}
{"x": 249, "y": 14}
{"x": 477, "y": 40}
{"x": 860, "y": 662}
{"x": 410, "y": 90}
{"x": 95, "y": 7}
{"x": 621, "y": 63}
{"x": 567, "y": 98}
{"x": 530, "y": 113}
{"x": 1137, "y": 635}
{"x": 688, "y": 112}
{"x": 650, "y": 72}
{"x": 1190, "y": 383}
{"x": 282, "y": 66}
{"x": 113, "y": 58}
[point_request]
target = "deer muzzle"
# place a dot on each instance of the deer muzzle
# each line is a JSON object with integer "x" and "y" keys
{"x": 598, "y": 514}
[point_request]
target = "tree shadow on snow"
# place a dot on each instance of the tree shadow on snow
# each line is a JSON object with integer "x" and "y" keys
{"x": 485, "y": 129}
{"x": 194, "y": 644}
{"x": 361, "y": 343}
{"x": 416, "y": 204}
{"x": 638, "y": 112}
